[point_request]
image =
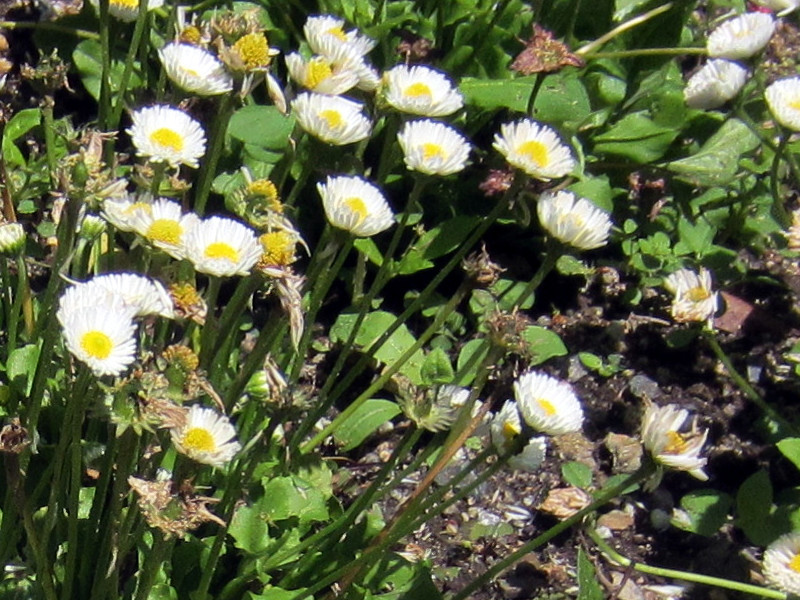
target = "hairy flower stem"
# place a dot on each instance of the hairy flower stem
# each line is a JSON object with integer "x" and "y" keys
{"x": 601, "y": 499}
{"x": 615, "y": 557}
{"x": 160, "y": 552}
{"x": 216, "y": 143}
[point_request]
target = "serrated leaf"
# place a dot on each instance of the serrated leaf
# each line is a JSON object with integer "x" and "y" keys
{"x": 364, "y": 421}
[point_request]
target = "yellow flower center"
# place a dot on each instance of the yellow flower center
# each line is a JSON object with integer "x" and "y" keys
{"x": 253, "y": 49}
{"x": 510, "y": 430}
{"x": 698, "y": 294}
{"x": 794, "y": 564}
{"x": 96, "y": 344}
{"x": 278, "y": 248}
{"x": 167, "y": 138}
{"x": 431, "y": 151}
{"x": 338, "y": 33}
{"x": 221, "y": 250}
{"x": 546, "y": 406}
{"x": 166, "y": 231}
{"x": 184, "y": 294}
{"x": 318, "y": 71}
{"x": 795, "y": 104}
{"x": 126, "y": 4}
{"x": 358, "y": 206}
{"x": 263, "y": 187}
{"x": 199, "y": 440}
{"x": 416, "y": 90}
{"x": 333, "y": 118}
{"x": 535, "y": 151}
{"x": 677, "y": 444}
{"x": 191, "y": 35}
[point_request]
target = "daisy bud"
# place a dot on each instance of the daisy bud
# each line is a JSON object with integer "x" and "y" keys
{"x": 742, "y": 36}
{"x": 783, "y": 99}
{"x": 12, "y": 238}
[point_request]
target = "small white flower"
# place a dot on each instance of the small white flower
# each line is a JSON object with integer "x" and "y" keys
{"x": 573, "y": 220}
{"x": 433, "y": 148}
{"x": 742, "y": 36}
{"x": 421, "y": 91}
{"x": 195, "y": 70}
{"x": 144, "y": 295}
{"x": 355, "y": 205}
{"x": 12, "y": 238}
{"x": 332, "y": 119}
{"x": 91, "y": 226}
{"x": 693, "y": 299}
{"x": 128, "y": 10}
{"x": 784, "y": 7}
{"x": 206, "y": 437}
{"x": 222, "y": 247}
{"x": 531, "y": 457}
{"x": 661, "y": 436}
{"x": 534, "y": 148}
{"x": 505, "y": 426}
{"x": 548, "y": 404}
{"x": 165, "y": 226}
{"x": 783, "y": 99}
{"x": 166, "y": 134}
{"x": 326, "y": 74}
{"x": 782, "y": 563}
{"x": 714, "y": 84}
{"x": 102, "y": 337}
{"x": 325, "y": 33}
{"x": 122, "y": 213}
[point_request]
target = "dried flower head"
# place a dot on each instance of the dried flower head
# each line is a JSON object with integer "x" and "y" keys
{"x": 662, "y": 437}
{"x": 188, "y": 302}
{"x": 543, "y": 54}
{"x": 278, "y": 249}
{"x": 181, "y": 357}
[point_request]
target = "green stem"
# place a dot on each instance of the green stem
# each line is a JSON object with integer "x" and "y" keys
{"x": 21, "y": 306}
{"x": 644, "y": 52}
{"x": 389, "y": 147}
{"x": 553, "y": 253}
{"x": 49, "y": 138}
{"x": 774, "y": 184}
{"x": 602, "y": 498}
{"x": 152, "y": 564}
{"x": 216, "y": 144}
{"x": 210, "y": 329}
{"x": 233, "y": 310}
{"x": 623, "y": 27}
{"x": 105, "y": 67}
{"x": 537, "y": 85}
{"x": 45, "y": 26}
{"x": 727, "y": 584}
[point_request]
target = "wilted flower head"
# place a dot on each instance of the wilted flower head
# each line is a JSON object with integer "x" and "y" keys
{"x": 662, "y": 437}
{"x": 573, "y": 220}
{"x": 195, "y": 70}
{"x": 783, "y": 99}
{"x": 548, "y": 404}
{"x": 421, "y": 91}
{"x": 206, "y": 437}
{"x": 332, "y": 119}
{"x": 534, "y": 148}
{"x": 543, "y": 54}
{"x": 12, "y": 238}
{"x": 355, "y": 205}
{"x": 693, "y": 299}
{"x": 742, "y": 36}
{"x": 166, "y": 134}
{"x": 433, "y": 148}
{"x": 714, "y": 84}
{"x": 782, "y": 563}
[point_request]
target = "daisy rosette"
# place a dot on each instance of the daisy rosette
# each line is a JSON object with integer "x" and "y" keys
{"x": 548, "y": 404}
{"x": 222, "y": 247}
{"x": 355, "y": 205}
{"x": 122, "y": 213}
{"x": 325, "y": 34}
{"x": 534, "y": 148}
{"x": 783, "y": 99}
{"x": 693, "y": 295}
{"x": 421, "y": 91}
{"x": 207, "y": 437}
{"x": 714, "y": 84}
{"x": 331, "y": 74}
{"x": 165, "y": 226}
{"x": 781, "y": 563}
{"x": 433, "y": 148}
{"x": 195, "y": 70}
{"x": 332, "y": 119}
{"x": 101, "y": 336}
{"x": 165, "y": 134}
{"x": 662, "y": 437}
{"x": 742, "y": 36}
{"x": 573, "y": 220}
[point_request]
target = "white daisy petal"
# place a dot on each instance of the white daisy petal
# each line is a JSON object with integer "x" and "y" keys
{"x": 355, "y": 205}
{"x": 742, "y": 36}
{"x": 783, "y": 99}
{"x": 548, "y": 404}
{"x": 534, "y": 148}
{"x": 144, "y": 295}
{"x": 505, "y": 426}
{"x": 714, "y": 84}
{"x": 421, "y": 91}
{"x": 123, "y": 212}
{"x": 166, "y": 134}
{"x": 222, "y": 247}
{"x": 433, "y": 148}
{"x": 782, "y": 563}
{"x": 206, "y": 437}
{"x": 531, "y": 457}
{"x": 332, "y": 119}
{"x": 128, "y": 10}
{"x": 195, "y": 70}
{"x": 331, "y": 74}
{"x": 661, "y": 436}
{"x": 694, "y": 298}
{"x": 325, "y": 33}
{"x": 573, "y": 220}
{"x": 102, "y": 337}
{"x": 12, "y": 238}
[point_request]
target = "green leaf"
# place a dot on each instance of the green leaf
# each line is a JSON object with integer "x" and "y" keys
{"x": 470, "y": 357}
{"x": 588, "y": 586}
{"x": 790, "y": 448}
{"x": 437, "y": 368}
{"x": 261, "y": 126}
{"x": 365, "y": 420}
{"x": 437, "y": 242}
{"x": 286, "y": 497}
{"x": 249, "y": 530}
{"x": 273, "y": 593}
{"x": 577, "y": 474}
{"x": 543, "y": 344}
{"x": 717, "y": 161}
{"x": 596, "y": 189}
{"x": 20, "y": 124}
{"x": 637, "y": 137}
{"x": 754, "y": 506}
{"x": 21, "y": 367}
{"x": 707, "y": 511}
{"x": 87, "y": 58}
{"x": 590, "y": 361}
{"x": 569, "y": 265}
{"x": 369, "y": 248}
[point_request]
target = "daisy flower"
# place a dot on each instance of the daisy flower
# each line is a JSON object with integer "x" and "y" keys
{"x": 331, "y": 76}
{"x": 782, "y": 563}
{"x": 165, "y": 226}
{"x": 166, "y": 134}
{"x": 784, "y": 7}
{"x": 421, "y": 91}
{"x": 714, "y": 84}
{"x": 122, "y": 213}
{"x": 325, "y": 33}
{"x": 433, "y": 148}
{"x": 548, "y": 404}
{"x": 128, "y": 10}
{"x": 206, "y": 437}
{"x": 101, "y": 337}
{"x": 742, "y": 36}
{"x": 355, "y": 205}
{"x": 12, "y": 238}
{"x": 693, "y": 299}
{"x": 144, "y": 295}
{"x": 534, "y": 148}
{"x": 662, "y": 438}
{"x": 573, "y": 220}
{"x": 195, "y": 70}
{"x": 222, "y": 247}
{"x": 332, "y": 119}
{"x": 783, "y": 99}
